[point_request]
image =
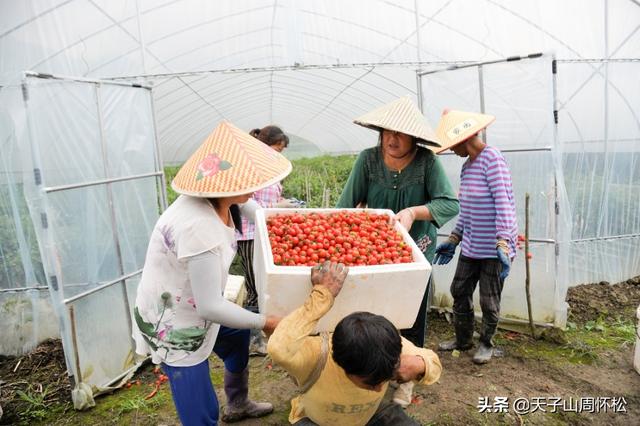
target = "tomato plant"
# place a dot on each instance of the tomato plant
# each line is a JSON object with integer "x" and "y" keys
{"x": 352, "y": 238}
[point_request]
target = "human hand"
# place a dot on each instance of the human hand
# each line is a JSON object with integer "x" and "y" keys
{"x": 270, "y": 324}
{"x": 503, "y": 256}
{"x": 412, "y": 367}
{"x": 285, "y": 203}
{"x": 406, "y": 217}
{"x": 445, "y": 251}
{"x": 330, "y": 275}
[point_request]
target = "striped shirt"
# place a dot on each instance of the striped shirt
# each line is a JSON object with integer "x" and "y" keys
{"x": 487, "y": 206}
{"x": 266, "y": 197}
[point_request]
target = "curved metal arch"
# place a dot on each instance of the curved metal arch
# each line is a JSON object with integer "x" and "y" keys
{"x": 608, "y": 81}
{"x": 315, "y": 84}
{"x": 339, "y": 116}
{"x": 72, "y": 45}
{"x": 187, "y": 113}
{"x": 226, "y": 81}
{"x": 347, "y": 87}
{"x": 282, "y": 77}
{"x": 323, "y": 76}
{"x": 353, "y": 23}
{"x": 222, "y": 40}
{"x": 201, "y": 130}
{"x": 225, "y": 85}
{"x": 534, "y": 25}
{"x": 201, "y": 74}
{"x": 243, "y": 108}
{"x": 34, "y": 18}
{"x": 241, "y": 104}
{"x": 311, "y": 141}
{"x": 204, "y": 23}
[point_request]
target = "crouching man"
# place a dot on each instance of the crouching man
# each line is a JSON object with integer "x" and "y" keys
{"x": 343, "y": 376}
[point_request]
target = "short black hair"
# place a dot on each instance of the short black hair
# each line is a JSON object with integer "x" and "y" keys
{"x": 368, "y": 346}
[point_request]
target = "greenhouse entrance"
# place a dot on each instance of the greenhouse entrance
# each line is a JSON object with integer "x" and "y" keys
{"x": 96, "y": 192}
{"x": 520, "y": 91}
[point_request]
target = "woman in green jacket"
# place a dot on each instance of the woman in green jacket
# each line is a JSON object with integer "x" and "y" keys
{"x": 403, "y": 175}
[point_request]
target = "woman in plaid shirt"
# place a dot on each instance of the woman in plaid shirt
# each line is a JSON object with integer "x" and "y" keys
{"x": 270, "y": 196}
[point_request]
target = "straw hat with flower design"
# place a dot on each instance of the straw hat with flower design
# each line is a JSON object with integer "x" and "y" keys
{"x": 230, "y": 162}
{"x": 403, "y": 116}
{"x": 456, "y": 127}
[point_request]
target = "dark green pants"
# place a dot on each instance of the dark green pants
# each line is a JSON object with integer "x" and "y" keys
{"x": 388, "y": 414}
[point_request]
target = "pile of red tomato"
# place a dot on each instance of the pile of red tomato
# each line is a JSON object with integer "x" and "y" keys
{"x": 352, "y": 238}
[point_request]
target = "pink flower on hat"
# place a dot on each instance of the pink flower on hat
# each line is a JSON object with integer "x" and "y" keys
{"x": 210, "y": 165}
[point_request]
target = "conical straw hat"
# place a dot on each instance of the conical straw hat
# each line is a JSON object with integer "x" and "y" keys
{"x": 457, "y": 126}
{"x": 230, "y": 162}
{"x": 403, "y": 116}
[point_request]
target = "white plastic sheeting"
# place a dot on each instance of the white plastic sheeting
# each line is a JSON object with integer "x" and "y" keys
{"x": 84, "y": 160}
{"x": 311, "y": 67}
{"x": 520, "y": 93}
{"x": 181, "y": 43}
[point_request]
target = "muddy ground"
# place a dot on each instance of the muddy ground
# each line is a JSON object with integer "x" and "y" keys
{"x": 590, "y": 363}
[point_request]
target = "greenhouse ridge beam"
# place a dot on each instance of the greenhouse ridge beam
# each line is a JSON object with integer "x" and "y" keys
{"x": 292, "y": 68}
{"x": 47, "y": 76}
{"x": 475, "y": 64}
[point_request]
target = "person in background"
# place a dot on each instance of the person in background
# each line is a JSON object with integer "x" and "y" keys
{"x": 343, "y": 377}
{"x": 180, "y": 313}
{"x": 486, "y": 228}
{"x": 403, "y": 175}
{"x": 268, "y": 197}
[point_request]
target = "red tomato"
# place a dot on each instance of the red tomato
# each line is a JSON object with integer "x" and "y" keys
{"x": 354, "y": 238}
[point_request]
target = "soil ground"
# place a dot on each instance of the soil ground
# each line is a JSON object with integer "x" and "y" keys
{"x": 590, "y": 363}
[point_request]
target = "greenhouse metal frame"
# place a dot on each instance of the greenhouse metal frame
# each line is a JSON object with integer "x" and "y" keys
{"x": 310, "y": 66}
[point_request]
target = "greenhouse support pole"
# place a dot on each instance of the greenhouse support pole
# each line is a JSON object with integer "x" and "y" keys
{"x": 419, "y": 91}
{"x": 560, "y": 308}
{"x": 143, "y": 48}
{"x": 112, "y": 213}
{"x": 481, "y": 94}
{"x": 431, "y": 284}
{"x": 416, "y": 3}
{"x": 158, "y": 156}
{"x": 607, "y": 157}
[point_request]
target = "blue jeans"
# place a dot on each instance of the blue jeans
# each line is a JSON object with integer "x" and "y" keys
{"x": 191, "y": 387}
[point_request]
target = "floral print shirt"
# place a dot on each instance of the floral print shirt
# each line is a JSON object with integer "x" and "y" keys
{"x": 167, "y": 324}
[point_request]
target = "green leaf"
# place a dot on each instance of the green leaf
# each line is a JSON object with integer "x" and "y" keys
{"x": 151, "y": 344}
{"x": 225, "y": 165}
{"x": 187, "y": 333}
{"x": 145, "y": 327}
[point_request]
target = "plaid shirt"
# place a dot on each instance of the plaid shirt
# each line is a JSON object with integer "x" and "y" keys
{"x": 266, "y": 197}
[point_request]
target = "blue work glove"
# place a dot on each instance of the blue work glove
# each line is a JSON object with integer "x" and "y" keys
{"x": 446, "y": 250}
{"x": 503, "y": 256}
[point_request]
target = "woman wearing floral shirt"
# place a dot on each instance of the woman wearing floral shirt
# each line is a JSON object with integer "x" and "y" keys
{"x": 180, "y": 312}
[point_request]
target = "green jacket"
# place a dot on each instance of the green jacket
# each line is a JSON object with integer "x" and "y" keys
{"x": 422, "y": 182}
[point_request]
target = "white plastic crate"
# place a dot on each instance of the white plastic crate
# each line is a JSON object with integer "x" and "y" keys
{"x": 394, "y": 291}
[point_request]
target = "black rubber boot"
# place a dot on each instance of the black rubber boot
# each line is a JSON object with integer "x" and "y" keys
{"x": 485, "y": 350}
{"x": 239, "y": 406}
{"x": 463, "y": 325}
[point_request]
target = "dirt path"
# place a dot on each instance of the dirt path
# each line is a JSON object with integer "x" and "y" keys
{"x": 591, "y": 363}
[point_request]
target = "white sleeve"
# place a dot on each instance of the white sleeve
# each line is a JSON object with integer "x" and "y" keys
{"x": 205, "y": 276}
{"x": 249, "y": 209}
